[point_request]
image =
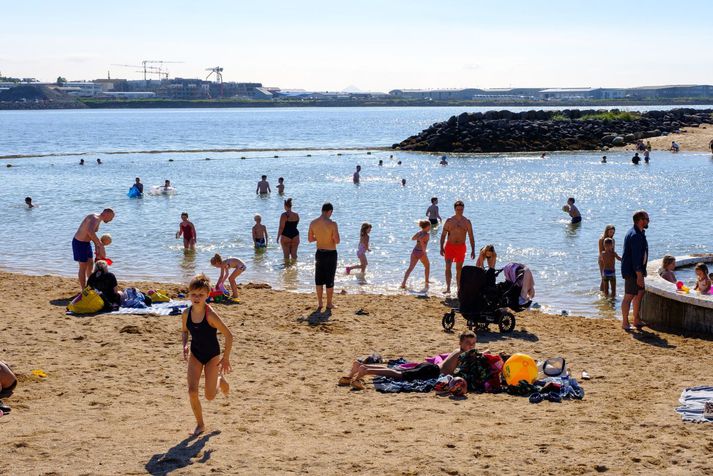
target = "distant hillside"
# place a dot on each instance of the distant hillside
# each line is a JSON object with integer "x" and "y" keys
{"x": 32, "y": 96}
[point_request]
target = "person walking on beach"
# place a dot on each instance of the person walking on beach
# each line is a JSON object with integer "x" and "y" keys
{"x": 356, "y": 177}
{"x": 203, "y": 355}
{"x": 82, "y": 243}
{"x": 633, "y": 269}
{"x": 453, "y": 247}
{"x": 263, "y": 186}
{"x": 288, "y": 236}
{"x": 325, "y": 233}
{"x": 432, "y": 213}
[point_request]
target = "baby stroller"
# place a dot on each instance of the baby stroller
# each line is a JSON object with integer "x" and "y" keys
{"x": 482, "y": 301}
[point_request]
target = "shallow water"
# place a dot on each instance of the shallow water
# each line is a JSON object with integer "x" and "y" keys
{"x": 513, "y": 200}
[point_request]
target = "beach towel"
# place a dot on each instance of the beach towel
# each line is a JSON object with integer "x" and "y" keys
{"x": 692, "y": 401}
{"x": 158, "y": 309}
{"x": 388, "y": 385}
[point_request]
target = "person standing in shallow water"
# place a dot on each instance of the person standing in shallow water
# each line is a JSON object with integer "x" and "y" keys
{"x": 263, "y": 186}
{"x": 453, "y": 247}
{"x": 325, "y": 233}
{"x": 356, "y": 177}
{"x": 288, "y": 236}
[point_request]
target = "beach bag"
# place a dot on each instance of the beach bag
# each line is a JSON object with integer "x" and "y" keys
{"x": 159, "y": 295}
{"x": 88, "y": 302}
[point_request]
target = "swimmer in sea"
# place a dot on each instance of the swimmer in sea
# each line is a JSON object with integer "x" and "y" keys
{"x": 99, "y": 161}
{"x": 28, "y": 202}
{"x": 604, "y": 159}
{"x": 281, "y": 186}
{"x": 167, "y": 186}
{"x": 453, "y": 248}
{"x": 381, "y": 163}
{"x": 403, "y": 182}
{"x": 81, "y": 161}
{"x": 260, "y": 237}
{"x": 263, "y": 186}
{"x": 434, "y": 217}
{"x": 443, "y": 161}
{"x": 225, "y": 265}
{"x": 356, "y": 177}
{"x": 138, "y": 185}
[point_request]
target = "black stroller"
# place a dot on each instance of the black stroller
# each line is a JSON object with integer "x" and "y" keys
{"x": 482, "y": 301}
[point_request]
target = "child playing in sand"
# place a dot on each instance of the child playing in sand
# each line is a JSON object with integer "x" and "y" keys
{"x": 667, "y": 268}
{"x": 432, "y": 212}
{"x": 188, "y": 231}
{"x": 607, "y": 261}
{"x": 703, "y": 281}
{"x": 363, "y": 248}
{"x": 225, "y": 265}
{"x": 202, "y": 322}
{"x": 419, "y": 252}
{"x": 106, "y": 241}
{"x": 259, "y": 234}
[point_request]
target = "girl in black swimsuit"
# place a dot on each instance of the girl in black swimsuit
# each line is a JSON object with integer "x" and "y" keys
{"x": 287, "y": 234}
{"x": 201, "y": 321}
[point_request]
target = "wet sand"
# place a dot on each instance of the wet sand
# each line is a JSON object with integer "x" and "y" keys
{"x": 115, "y": 398}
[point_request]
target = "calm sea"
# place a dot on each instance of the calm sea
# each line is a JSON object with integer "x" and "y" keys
{"x": 513, "y": 200}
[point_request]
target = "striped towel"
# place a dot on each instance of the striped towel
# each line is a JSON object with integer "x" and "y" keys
{"x": 157, "y": 309}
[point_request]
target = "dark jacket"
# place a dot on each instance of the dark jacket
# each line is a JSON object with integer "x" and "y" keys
{"x": 636, "y": 253}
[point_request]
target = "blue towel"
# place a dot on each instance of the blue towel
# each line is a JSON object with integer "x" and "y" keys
{"x": 389, "y": 385}
{"x": 692, "y": 401}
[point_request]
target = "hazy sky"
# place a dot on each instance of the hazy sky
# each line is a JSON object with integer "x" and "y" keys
{"x": 370, "y": 44}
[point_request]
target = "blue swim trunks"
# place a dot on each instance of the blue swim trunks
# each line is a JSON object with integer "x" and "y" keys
{"x": 260, "y": 243}
{"x": 82, "y": 250}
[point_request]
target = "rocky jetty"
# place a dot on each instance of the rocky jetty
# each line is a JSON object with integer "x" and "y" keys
{"x": 506, "y": 131}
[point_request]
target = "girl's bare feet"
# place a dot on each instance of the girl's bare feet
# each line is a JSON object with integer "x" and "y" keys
{"x": 199, "y": 430}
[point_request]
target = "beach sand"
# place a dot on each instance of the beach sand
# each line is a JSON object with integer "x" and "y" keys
{"x": 115, "y": 397}
{"x": 691, "y": 139}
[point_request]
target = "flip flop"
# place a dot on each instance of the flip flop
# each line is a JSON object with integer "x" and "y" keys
{"x": 345, "y": 381}
{"x": 627, "y": 329}
{"x": 641, "y": 325}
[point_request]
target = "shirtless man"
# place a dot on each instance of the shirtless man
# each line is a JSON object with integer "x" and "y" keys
{"x": 82, "y": 243}
{"x": 355, "y": 177}
{"x": 432, "y": 212}
{"x": 325, "y": 232}
{"x": 453, "y": 247}
{"x": 423, "y": 371}
{"x": 263, "y": 186}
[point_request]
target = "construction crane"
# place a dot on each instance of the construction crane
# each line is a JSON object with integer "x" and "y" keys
{"x": 146, "y": 70}
{"x": 218, "y": 71}
{"x": 159, "y": 69}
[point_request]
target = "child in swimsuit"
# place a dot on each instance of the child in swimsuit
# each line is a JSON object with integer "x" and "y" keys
{"x": 432, "y": 212}
{"x": 573, "y": 211}
{"x": 419, "y": 252}
{"x": 703, "y": 282}
{"x": 225, "y": 265}
{"x": 607, "y": 261}
{"x": 203, "y": 356}
{"x": 281, "y": 186}
{"x": 259, "y": 234}
{"x": 106, "y": 241}
{"x": 667, "y": 268}
{"x": 363, "y": 248}
{"x": 188, "y": 231}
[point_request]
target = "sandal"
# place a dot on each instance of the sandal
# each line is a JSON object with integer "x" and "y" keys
{"x": 358, "y": 384}
{"x": 345, "y": 381}
{"x": 640, "y": 325}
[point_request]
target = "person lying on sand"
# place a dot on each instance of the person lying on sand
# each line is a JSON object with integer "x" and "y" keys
{"x": 423, "y": 371}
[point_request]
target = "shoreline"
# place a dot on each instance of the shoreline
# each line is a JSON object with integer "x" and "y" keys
{"x": 113, "y": 377}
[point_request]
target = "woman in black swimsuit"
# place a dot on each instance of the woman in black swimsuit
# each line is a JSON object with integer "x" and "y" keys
{"x": 288, "y": 236}
{"x": 201, "y": 321}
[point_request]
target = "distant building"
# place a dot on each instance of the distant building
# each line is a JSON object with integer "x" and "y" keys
{"x": 85, "y": 89}
{"x": 128, "y": 94}
{"x": 672, "y": 91}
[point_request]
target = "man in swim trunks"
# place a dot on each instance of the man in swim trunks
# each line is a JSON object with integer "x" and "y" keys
{"x": 432, "y": 212}
{"x": 325, "y": 233}
{"x": 82, "y": 243}
{"x": 263, "y": 186}
{"x": 453, "y": 247}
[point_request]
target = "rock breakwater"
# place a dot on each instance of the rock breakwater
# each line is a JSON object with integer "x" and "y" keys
{"x": 507, "y": 131}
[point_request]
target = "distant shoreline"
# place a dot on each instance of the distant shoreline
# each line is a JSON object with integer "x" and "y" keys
{"x": 231, "y": 103}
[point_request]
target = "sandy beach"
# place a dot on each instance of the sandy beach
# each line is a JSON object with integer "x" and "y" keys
{"x": 115, "y": 397}
{"x": 691, "y": 139}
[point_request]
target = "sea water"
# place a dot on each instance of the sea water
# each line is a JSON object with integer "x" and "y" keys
{"x": 513, "y": 200}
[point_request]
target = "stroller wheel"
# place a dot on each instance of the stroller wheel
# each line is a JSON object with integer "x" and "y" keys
{"x": 507, "y": 321}
{"x": 481, "y": 327}
{"x": 448, "y": 321}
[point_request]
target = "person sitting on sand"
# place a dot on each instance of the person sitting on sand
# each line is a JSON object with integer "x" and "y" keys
{"x": 362, "y": 249}
{"x": 607, "y": 261}
{"x": 105, "y": 284}
{"x": 668, "y": 265}
{"x": 573, "y": 211}
{"x": 674, "y": 146}
{"x": 423, "y": 371}
{"x": 225, "y": 265}
{"x": 420, "y": 253}
{"x": 432, "y": 212}
{"x": 188, "y": 231}
{"x": 263, "y": 186}
{"x": 281, "y": 186}
{"x": 260, "y": 237}
{"x": 703, "y": 282}
{"x": 28, "y": 202}
{"x": 8, "y": 382}
{"x": 202, "y": 323}
{"x": 453, "y": 247}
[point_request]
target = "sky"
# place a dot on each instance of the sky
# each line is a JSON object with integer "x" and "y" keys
{"x": 371, "y": 45}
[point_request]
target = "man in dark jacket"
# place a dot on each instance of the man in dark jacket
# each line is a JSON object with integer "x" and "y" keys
{"x": 633, "y": 269}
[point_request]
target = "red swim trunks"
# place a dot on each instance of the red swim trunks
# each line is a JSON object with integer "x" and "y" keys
{"x": 455, "y": 253}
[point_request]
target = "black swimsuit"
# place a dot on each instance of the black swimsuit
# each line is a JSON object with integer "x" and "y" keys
{"x": 204, "y": 341}
{"x": 290, "y": 229}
